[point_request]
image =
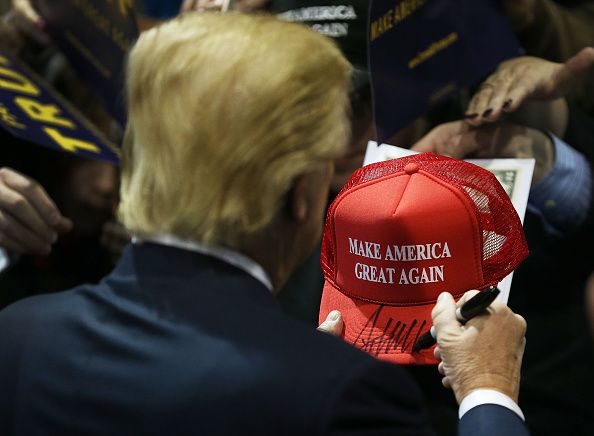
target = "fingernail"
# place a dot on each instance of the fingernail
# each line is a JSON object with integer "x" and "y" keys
{"x": 334, "y": 315}
{"x": 487, "y": 113}
{"x": 441, "y": 296}
{"x": 40, "y": 23}
{"x": 468, "y": 116}
{"x": 506, "y": 104}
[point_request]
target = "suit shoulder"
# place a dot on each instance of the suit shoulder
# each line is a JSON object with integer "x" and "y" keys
{"x": 36, "y": 314}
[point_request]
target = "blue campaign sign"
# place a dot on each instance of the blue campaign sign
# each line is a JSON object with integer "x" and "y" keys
{"x": 95, "y": 36}
{"x": 422, "y": 51}
{"x": 31, "y": 110}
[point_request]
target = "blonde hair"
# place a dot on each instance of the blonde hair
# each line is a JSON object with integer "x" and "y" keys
{"x": 225, "y": 110}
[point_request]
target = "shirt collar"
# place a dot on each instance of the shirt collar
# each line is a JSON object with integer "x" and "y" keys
{"x": 227, "y": 255}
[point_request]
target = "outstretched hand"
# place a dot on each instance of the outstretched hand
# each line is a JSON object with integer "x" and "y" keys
{"x": 30, "y": 222}
{"x": 525, "y": 78}
{"x": 500, "y": 140}
{"x": 202, "y": 6}
{"x": 217, "y": 5}
{"x": 25, "y": 9}
{"x": 28, "y": 21}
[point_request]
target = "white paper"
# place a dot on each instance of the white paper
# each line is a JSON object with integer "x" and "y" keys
{"x": 515, "y": 175}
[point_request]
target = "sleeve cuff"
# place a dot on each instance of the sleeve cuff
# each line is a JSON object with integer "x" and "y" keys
{"x": 562, "y": 198}
{"x": 488, "y": 396}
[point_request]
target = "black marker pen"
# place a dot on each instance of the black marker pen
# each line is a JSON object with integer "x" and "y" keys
{"x": 473, "y": 307}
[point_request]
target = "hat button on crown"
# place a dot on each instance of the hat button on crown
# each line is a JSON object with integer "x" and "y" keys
{"x": 411, "y": 168}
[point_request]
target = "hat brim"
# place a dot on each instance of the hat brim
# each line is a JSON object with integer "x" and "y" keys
{"x": 386, "y": 332}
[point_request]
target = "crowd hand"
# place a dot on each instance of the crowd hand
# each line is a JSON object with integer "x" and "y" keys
{"x": 499, "y": 140}
{"x": 525, "y": 78}
{"x": 216, "y": 5}
{"x": 24, "y": 8}
{"x": 202, "y": 6}
{"x": 30, "y": 222}
{"x": 114, "y": 238}
{"x": 29, "y": 21}
{"x": 333, "y": 324}
{"x": 484, "y": 353}
{"x": 249, "y": 5}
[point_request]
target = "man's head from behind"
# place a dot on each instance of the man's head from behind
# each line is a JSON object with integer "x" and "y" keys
{"x": 226, "y": 112}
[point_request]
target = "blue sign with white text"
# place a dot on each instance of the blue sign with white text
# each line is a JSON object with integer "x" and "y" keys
{"x": 423, "y": 51}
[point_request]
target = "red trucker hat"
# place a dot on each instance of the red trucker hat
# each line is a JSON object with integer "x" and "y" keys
{"x": 401, "y": 232}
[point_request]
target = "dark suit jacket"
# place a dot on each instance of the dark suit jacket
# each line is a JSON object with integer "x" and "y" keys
{"x": 174, "y": 342}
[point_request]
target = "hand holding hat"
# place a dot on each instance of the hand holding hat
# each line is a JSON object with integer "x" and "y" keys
{"x": 484, "y": 353}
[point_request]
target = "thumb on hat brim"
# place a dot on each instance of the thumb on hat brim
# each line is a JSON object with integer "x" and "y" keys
{"x": 444, "y": 313}
{"x": 333, "y": 324}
